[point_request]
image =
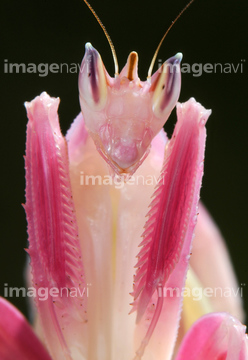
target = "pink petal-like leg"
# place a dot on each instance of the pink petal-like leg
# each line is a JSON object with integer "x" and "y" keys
{"x": 171, "y": 220}
{"x": 17, "y": 339}
{"x": 54, "y": 248}
{"x": 215, "y": 336}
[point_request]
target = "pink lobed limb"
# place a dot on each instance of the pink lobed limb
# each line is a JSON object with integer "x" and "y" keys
{"x": 173, "y": 213}
{"x": 52, "y": 227}
{"x": 217, "y": 336}
{"x": 17, "y": 339}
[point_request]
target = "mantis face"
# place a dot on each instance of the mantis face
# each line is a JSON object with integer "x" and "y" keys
{"x": 124, "y": 114}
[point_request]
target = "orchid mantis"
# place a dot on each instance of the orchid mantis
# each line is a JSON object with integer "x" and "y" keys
{"x": 92, "y": 236}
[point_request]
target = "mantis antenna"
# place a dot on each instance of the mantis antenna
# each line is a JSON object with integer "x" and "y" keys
{"x": 107, "y": 36}
{"x": 161, "y": 41}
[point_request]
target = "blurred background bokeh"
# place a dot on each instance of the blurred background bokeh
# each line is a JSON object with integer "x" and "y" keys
{"x": 56, "y": 31}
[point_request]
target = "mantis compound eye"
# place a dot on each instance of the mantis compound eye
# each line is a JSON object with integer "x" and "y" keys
{"x": 166, "y": 85}
{"x": 92, "y": 79}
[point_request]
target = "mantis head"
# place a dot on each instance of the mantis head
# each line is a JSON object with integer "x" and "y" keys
{"x": 124, "y": 114}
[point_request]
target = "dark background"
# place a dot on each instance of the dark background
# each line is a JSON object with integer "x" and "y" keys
{"x": 56, "y": 31}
